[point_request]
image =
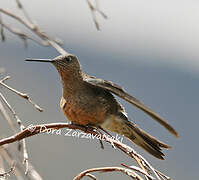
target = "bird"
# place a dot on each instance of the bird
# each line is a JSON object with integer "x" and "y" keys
{"x": 90, "y": 101}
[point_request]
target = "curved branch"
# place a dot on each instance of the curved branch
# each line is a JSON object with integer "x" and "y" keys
{"x": 42, "y": 128}
{"x": 128, "y": 172}
{"x": 32, "y": 130}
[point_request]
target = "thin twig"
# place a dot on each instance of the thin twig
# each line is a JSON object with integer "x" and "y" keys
{"x": 3, "y": 38}
{"x": 100, "y": 11}
{"x": 101, "y": 143}
{"x": 22, "y": 35}
{"x": 20, "y": 6}
{"x": 8, "y": 152}
{"x": 163, "y": 175}
{"x": 21, "y": 126}
{"x": 91, "y": 176}
{"x": 23, "y": 95}
{"x": 93, "y": 13}
{"x": 26, "y": 15}
{"x": 12, "y": 111}
{"x": 146, "y": 164}
{"x": 92, "y": 9}
{"x": 9, "y": 160}
{"x": 4, "y": 79}
{"x": 25, "y": 156}
{"x": 6, "y": 116}
{"x": 34, "y": 28}
{"x": 135, "y": 168}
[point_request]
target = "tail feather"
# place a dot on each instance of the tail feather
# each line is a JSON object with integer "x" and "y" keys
{"x": 146, "y": 141}
{"x": 123, "y": 126}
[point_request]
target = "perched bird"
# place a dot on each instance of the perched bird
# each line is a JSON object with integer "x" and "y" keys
{"x": 87, "y": 100}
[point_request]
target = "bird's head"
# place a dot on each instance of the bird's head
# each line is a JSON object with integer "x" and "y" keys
{"x": 67, "y": 65}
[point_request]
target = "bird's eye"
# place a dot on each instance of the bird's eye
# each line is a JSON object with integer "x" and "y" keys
{"x": 68, "y": 59}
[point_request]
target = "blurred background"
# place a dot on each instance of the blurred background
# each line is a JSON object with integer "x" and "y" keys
{"x": 148, "y": 47}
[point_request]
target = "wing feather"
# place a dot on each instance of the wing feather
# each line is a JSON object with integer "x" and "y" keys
{"x": 117, "y": 90}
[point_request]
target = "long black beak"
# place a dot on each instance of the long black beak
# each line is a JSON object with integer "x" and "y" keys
{"x": 39, "y": 60}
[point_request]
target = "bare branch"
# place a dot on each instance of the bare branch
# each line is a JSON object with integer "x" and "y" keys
{"x": 93, "y": 13}
{"x": 20, "y": 6}
{"x": 22, "y": 35}
{"x": 128, "y": 172}
{"x": 8, "y": 152}
{"x": 26, "y": 15}
{"x": 23, "y": 95}
{"x": 91, "y": 176}
{"x": 33, "y": 130}
{"x": 134, "y": 168}
{"x": 3, "y": 38}
{"x": 12, "y": 111}
{"x": 34, "y": 28}
{"x": 162, "y": 175}
{"x": 4, "y": 79}
{"x": 101, "y": 143}
{"x": 9, "y": 160}
{"x": 25, "y": 157}
{"x": 100, "y": 11}
{"x": 6, "y": 116}
{"x": 21, "y": 126}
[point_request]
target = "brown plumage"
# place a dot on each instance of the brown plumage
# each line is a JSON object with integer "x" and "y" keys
{"x": 87, "y": 100}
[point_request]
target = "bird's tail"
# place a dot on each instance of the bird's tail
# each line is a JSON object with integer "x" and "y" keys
{"x": 144, "y": 140}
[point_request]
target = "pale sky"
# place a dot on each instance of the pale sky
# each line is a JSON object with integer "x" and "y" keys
{"x": 152, "y": 28}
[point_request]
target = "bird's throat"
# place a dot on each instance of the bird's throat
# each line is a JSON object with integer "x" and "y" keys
{"x": 71, "y": 83}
